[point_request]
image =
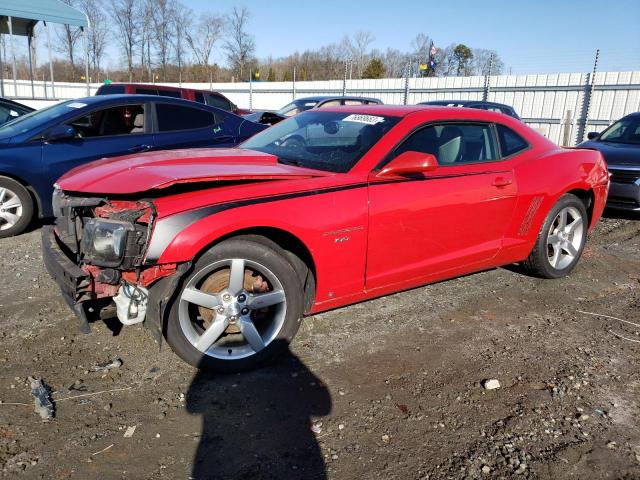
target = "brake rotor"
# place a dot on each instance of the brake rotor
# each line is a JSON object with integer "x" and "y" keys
{"x": 218, "y": 282}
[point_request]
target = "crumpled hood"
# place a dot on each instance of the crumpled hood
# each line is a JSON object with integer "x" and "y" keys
{"x": 155, "y": 170}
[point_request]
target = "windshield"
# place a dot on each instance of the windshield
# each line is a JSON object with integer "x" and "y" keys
{"x": 329, "y": 141}
{"x": 626, "y": 130}
{"x": 298, "y": 106}
{"x": 36, "y": 118}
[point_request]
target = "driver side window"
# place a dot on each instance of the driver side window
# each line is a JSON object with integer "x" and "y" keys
{"x": 454, "y": 143}
{"x": 121, "y": 120}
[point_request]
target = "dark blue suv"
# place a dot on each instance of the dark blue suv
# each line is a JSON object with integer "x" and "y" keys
{"x": 38, "y": 148}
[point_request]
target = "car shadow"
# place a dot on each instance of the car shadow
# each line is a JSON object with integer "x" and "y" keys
{"x": 621, "y": 214}
{"x": 257, "y": 425}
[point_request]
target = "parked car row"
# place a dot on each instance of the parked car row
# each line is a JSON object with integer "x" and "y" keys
{"x": 162, "y": 218}
{"x": 38, "y": 148}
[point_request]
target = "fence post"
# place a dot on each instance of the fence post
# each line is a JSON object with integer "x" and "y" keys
{"x": 294, "y": 83}
{"x": 586, "y": 101}
{"x": 406, "y": 85}
{"x": 250, "y": 90}
{"x": 487, "y": 80}
{"x": 566, "y": 134}
{"x": 344, "y": 80}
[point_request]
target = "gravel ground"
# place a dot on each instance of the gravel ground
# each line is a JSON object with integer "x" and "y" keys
{"x": 391, "y": 388}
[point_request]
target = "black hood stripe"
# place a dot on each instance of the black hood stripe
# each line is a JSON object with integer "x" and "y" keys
{"x": 166, "y": 229}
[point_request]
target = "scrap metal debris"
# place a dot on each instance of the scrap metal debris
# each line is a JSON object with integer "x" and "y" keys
{"x": 129, "y": 431}
{"x": 42, "y": 399}
{"x": 103, "y": 367}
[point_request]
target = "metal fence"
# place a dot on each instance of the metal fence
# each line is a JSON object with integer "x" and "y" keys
{"x": 563, "y": 107}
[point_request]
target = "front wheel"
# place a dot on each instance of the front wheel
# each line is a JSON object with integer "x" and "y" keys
{"x": 16, "y": 208}
{"x": 238, "y": 309}
{"x": 561, "y": 239}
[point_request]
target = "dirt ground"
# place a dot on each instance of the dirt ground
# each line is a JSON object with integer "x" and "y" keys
{"x": 389, "y": 388}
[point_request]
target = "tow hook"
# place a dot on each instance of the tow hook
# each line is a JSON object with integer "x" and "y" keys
{"x": 131, "y": 303}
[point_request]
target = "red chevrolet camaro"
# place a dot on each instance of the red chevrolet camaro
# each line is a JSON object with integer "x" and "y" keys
{"x": 223, "y": 251}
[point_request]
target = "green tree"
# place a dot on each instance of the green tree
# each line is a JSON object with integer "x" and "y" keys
{"x": 463, "y": 56}
{"x": 271, "y": 76}
{"x": 375, "y": 69}
{"x": 287, "y": 77}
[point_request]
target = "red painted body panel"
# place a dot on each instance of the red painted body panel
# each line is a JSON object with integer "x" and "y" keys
{"x": 156, "y": 170}
{"x": 367, "y": 236}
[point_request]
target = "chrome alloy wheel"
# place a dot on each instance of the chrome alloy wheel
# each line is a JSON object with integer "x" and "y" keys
{"x": 565, "y": 238}
{"x": 232, "y": 309}
{"x": 10, "y": 208}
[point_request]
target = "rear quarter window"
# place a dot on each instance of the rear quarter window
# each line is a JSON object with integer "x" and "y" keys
{"x": 178, "y": 117}
{"x": 217, "y": 101}
{"x": 510, "y": 142}
{"x": 110, "y": 90}
{"x": 170, "y": 93}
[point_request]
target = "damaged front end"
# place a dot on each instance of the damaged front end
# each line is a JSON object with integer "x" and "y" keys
{"x": 96, "y": 254}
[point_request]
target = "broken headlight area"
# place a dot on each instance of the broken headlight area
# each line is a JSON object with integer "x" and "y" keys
{"x": 104, "y": 242}
{"x": 102, "y": 232}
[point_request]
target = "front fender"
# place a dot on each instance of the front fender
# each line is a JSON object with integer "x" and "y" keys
{"x": 332, "y": 227}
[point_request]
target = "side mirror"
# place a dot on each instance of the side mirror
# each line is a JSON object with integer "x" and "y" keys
{"x": 409, "y": 163}
{"x": 61, "y": 132}
{"x": 593, "y": 135}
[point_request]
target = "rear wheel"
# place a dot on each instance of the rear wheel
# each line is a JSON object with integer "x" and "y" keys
{"x": 16, "y": 207}
{"x": 238, "y": 309}
{"x": 561, "y": 239}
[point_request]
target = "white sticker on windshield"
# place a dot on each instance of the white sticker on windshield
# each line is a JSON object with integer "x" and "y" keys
{"x": 368, "y": 119}
{"x": 76, "y": 105}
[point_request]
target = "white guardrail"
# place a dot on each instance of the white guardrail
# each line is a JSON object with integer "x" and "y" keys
{"x": 561, "y": 106}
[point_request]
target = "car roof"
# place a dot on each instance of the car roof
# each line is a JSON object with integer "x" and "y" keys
{"x": 155, "y": 85}
{"x": 322, "y": 98}
{"x": 434, "y": 112}
{"x": 132, "y": 98}
{"x": 463, "y": 102}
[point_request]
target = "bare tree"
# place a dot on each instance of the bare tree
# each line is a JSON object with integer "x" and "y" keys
{"x": 146, "y": 35}
{"x": 67, "y": 39}
{"x": 482, "y": 58}
{"x": 127, "y": 22}
{"x": 162, "y": 15}
{"x": 202, "y": 38}
{"x": 181, "y": 25}
{"x": 362, "y": 40}
{"x": 96, "y": 33}
{"x": 240, "y": 45}
{"x": 421, "y": 44}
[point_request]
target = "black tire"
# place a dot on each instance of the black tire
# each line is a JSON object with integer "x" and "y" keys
{"x": 280, "y": 267}
{"x": 27, "y": 208}
{"x": 538, "y": 263}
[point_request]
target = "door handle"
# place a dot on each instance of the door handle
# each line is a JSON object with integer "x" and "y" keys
{"x": 501, "y": 182}
{"x": 139, "y": 148}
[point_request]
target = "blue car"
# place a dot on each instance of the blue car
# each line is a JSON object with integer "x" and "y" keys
{"x": 620, "y": 147}
{"x": 38, "y": 148}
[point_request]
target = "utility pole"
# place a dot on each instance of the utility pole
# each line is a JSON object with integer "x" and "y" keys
{"x": 294, "y": 82}
{"x": 586, "y": 102}
{"x": 487, "y": 80}
{"x": 406, "y": 83}
{"x": 344, "y": 80}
